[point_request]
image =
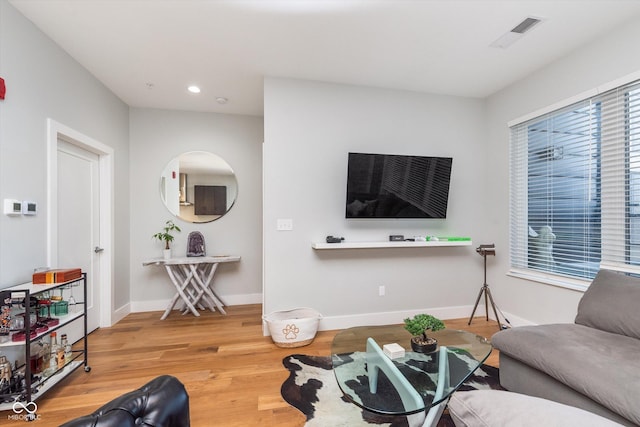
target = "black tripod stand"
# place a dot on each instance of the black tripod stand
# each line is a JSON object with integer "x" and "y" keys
{"x": 485, "y": 250}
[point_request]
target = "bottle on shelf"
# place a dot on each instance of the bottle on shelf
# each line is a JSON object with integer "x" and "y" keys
{"x": 5, "y": 374}
{"x": 66, "y": 348}
{"x": 53, "y": 363}
{"x": 36, "y": 358}
{"x": 39, "y": 351}
{"x": 53, "y": 355}
{"x": 60, "y": 352}
{"x": 46, "y": 347}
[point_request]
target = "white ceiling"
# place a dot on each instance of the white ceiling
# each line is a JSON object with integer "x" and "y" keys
{"x": 148, "y": 51}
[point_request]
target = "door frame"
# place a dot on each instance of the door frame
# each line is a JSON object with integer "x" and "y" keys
{"x": 56, "y": 131}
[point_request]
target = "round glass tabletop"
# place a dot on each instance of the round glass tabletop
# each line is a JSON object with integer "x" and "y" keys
{"x": 411, "y": 373}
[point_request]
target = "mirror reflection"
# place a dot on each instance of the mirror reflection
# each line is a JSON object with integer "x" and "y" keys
{"x": 198, "y": 186}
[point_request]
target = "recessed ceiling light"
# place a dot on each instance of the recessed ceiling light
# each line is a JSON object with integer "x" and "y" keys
{"x": 193, "y": 89}
{"x": 221, "y": 100}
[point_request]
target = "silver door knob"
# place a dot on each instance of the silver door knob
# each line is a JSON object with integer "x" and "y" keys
{"x": 98, "y": 249}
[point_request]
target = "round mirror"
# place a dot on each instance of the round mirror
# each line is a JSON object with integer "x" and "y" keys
{"x": 198, "y": 187}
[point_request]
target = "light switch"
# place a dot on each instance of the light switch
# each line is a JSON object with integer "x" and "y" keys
{"x": 285, "y": 224}
{"x": 12, "y": 207}
{"x": 29, "y": 208}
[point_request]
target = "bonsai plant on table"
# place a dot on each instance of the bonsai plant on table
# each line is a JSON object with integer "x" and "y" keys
{"x": 166, "y": 236}
{"x": 418, "y": 327}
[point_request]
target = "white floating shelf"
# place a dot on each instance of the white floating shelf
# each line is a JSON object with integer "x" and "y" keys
{"x": 404, "y": 244}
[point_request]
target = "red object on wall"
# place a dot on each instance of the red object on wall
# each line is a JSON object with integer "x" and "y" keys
{"x": 173, "y": 174}
{"x": 3, "y": 88}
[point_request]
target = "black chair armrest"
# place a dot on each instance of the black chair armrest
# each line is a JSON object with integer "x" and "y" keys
{"x": 162, "y": 402}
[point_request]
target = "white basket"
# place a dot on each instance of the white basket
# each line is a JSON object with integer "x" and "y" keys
{"x": 293, "y": 328}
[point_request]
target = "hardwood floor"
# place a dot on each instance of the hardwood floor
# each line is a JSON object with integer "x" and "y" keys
{"x": 232, "y": 373}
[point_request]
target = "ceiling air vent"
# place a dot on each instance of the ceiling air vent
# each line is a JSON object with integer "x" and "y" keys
{"x": 525, "y": 25}
{"x": 516, "y": 33}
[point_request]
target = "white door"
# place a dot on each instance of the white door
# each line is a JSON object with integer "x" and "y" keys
{"x": 78, "y": 228}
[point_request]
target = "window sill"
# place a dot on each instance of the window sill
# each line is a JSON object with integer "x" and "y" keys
{"x": 551, "y": 279}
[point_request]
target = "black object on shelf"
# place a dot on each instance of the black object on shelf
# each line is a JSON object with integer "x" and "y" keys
{"x": 332, "y": 239}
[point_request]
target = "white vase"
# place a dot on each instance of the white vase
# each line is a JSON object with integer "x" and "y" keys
{"x": 167, "y": 253}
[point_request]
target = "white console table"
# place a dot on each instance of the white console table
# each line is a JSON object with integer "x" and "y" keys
{"x": 192, "y": 277}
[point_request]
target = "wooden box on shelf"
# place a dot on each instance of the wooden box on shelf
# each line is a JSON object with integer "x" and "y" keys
{"x": 56, "y": 276}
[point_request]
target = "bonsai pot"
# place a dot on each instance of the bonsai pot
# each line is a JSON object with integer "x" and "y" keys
{"x": 420, "y": 346}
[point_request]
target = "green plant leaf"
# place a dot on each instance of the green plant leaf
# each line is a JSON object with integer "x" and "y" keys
{"x": 421, "y": 323}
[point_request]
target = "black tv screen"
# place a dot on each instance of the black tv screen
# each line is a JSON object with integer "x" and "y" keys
{"x": 397, "y": 186}
{"x": 210, "y": 199}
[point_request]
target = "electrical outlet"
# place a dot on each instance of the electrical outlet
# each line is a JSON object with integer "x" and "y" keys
{"x": 381, "y": 290}
{"x": 284, "y": 224}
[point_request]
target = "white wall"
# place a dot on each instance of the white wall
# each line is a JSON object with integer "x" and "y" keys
{"x": 44, "y": 82}
{"x": 607, "y": 59}
{"x": 158, "y": 136}
{"x": 309, "y": 129}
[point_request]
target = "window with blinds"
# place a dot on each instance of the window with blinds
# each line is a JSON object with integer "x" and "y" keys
{"x": 575, "y": 188}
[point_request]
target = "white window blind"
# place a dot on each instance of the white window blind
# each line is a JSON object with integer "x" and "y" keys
{"x": 575, "y": 188}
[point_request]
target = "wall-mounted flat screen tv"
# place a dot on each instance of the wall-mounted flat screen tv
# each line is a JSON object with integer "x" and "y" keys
{"x": 397, "y": 186}
{"x": 210, "y": 199}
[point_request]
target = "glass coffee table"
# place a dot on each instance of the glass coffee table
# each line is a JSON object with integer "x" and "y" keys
{"x": 410, "y": 384}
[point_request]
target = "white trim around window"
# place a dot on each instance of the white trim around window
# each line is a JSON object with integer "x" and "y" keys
{"x": 575, "y": 188}
{"x": 577, "y": 98}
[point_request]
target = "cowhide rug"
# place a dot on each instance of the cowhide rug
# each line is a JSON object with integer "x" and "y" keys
{"x": 312, "y": 389}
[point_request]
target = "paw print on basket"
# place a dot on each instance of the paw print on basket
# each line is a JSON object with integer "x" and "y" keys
{"x": 293, "y": 328}
{"x": 291, "y": 331}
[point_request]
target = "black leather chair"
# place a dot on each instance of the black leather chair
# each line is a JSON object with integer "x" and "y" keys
{"x": 162, "y": 402}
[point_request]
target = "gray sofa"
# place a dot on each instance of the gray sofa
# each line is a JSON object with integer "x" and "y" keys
{"x": 593, "y": 364}
{"x": 497, "y": 408}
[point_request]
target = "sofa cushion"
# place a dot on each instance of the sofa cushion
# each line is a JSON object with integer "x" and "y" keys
{"x": 600, "y": 365}
{"x": 611, "y": 304}
{"x": 495, "y": 408}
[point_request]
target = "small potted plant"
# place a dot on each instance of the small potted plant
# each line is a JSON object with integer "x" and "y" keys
{"x": 418, "y": 327}
{"x": 166, "y": 237}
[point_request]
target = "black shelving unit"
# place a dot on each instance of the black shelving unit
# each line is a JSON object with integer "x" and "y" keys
{"x": 30, "y": 387}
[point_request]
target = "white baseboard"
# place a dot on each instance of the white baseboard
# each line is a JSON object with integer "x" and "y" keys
{"x": 144, "y": 306}
{"x": 120, "y": 313}
{"x": 328, "y": 323}
{"x": 161, "y": 305}
{"x": 242, "y": 299}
